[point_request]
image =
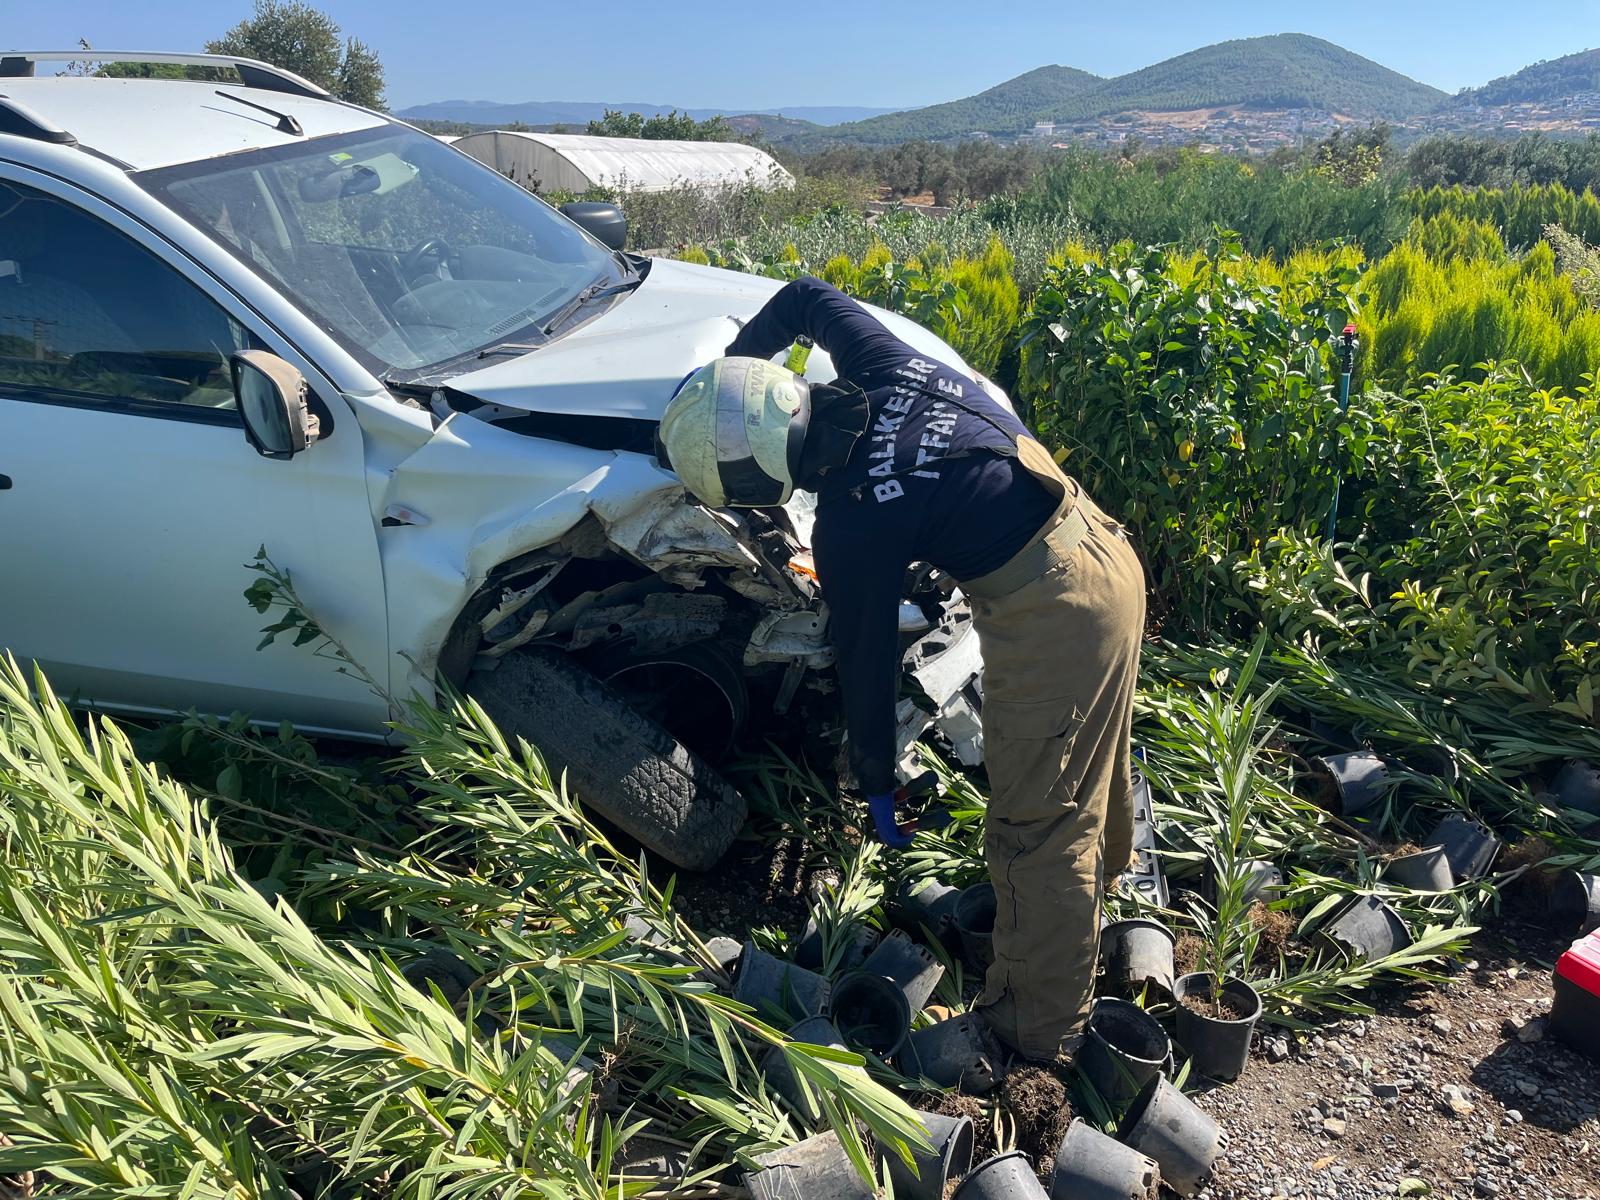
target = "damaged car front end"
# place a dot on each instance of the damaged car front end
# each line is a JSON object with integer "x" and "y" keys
{"x": 708, "y": 624}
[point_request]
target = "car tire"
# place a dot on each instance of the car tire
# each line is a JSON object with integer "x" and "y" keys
{"x": 619, "y": 763}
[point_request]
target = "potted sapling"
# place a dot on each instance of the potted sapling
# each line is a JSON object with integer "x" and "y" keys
{"x": 1217, "y": 1009}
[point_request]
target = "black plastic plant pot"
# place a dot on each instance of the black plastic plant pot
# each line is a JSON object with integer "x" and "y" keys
{"x": 958, "y": 1053}
{"x": 859, "y": 941}
{"x": 780, "y": 1077}
{"x": 767, "y": 984}
{"x": 1425, "y": 871}
{"x": 1137, "y": 953}
{"x": 443, "y": 969}
{"x": 910, "y": 967}
{"x": 1262, "y": 880}
{"x": 815, "y": 1169}
{"x": 1123, "y": 1049}
{"x": 1367, "y": 929}
{"x": 950, "y": 1158}
{"x": 1434, "y": 761}
{"x": 1576, "y": 896}
{"x": 1093, "y": 1166}
{"x": 1003, "y": 1177}
{"x": 975, "y": 913}
{"x": 1468, "y": 844}
{"x": 926, "y": 904}
{"x": 871, "y": 1011}
{"x": 651, "y": 1158}
{"x": 1360, "y": 780}
{"x": 1165, "y": 1125}
{"x": 1577, "y": 786}
{"x": 1218, "y": 1046}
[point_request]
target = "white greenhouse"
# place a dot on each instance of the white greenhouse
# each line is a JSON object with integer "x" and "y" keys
{"x": 567, "y": 162}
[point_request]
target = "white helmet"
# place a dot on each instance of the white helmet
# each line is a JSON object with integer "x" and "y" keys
{"x": 734, "y": 432}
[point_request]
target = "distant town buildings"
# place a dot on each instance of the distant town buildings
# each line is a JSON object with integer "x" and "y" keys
{"x": 1239, "y": 129}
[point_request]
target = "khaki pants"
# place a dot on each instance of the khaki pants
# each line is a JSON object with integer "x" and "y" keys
{"x": 1061, "y": 661}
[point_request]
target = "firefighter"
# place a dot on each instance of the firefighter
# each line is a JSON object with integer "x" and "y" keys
{"x": 912, "y": 461}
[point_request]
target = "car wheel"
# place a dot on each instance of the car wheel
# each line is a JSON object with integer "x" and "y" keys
{"x": 620, "y": 764}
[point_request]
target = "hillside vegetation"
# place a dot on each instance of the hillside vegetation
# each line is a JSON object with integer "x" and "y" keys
{"x": 1004, "y": 108}
{"x": 1286, "y": 70}
{"x": 1553, "y": 79}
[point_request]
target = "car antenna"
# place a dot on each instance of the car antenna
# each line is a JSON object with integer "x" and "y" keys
{"x": 286, "y": 123}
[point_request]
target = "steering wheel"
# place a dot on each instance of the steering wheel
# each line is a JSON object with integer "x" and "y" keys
{"x": 433, "y": 247}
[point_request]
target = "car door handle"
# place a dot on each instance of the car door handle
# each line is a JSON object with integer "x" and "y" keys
{"x": 5, "y": 483}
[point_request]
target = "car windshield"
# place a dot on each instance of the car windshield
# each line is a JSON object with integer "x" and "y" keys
{"x": 406, "y": 251}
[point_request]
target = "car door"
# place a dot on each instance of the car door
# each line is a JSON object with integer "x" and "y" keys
{"x": 130, "y": 501}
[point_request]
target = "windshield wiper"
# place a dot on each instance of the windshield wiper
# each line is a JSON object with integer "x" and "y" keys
{"x": 594, "y": 291}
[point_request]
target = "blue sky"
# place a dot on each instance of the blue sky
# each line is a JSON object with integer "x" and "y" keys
{"x": 764, "y": 55}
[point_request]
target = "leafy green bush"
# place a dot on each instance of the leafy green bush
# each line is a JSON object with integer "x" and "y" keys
{"x": 1493, "y": 586}
{"x": 1473, "y": 558}
{"x": 1201, "y": 411}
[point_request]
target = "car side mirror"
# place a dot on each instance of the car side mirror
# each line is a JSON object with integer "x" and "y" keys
{"x": 273, "y": 404}
{"x": 600, "y": 219}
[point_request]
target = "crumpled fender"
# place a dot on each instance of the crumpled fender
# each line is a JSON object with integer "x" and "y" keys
{"x": 480, "y": 495}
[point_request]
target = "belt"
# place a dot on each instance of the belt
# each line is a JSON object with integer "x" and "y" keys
{"x": 1032, "y": 560}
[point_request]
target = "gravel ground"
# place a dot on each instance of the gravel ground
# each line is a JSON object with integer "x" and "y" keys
{"x": 1449, "y": 1091}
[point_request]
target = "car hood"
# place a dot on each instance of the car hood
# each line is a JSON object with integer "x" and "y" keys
{"x": 629, "y": 361}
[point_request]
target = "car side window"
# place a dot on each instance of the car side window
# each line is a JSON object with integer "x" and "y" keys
{"x": 87, "y": 315}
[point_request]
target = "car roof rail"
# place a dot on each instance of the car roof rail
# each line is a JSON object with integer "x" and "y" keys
{"x": 22, "y": 121}
{"x": 19, "y": 64}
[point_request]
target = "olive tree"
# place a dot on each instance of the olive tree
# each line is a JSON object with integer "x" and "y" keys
{"x": 302, "y": 39}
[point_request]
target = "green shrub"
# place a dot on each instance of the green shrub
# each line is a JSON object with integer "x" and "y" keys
{"x": 1179, "y": 199}
{"x": 1450, "y": 296}
{"x": 1200, "y": 412}
{"x": 987, "y": 331}
{"x": 1520, "y": 213}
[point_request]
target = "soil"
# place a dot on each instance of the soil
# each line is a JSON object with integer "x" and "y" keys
{"x": 755, "y": 885}
{"x": 1453, "y": 1086}
{"x": 1534, "y": 884}
{"x": 1186, "y": 953}
{"x": 1277, "y": 930}
{"x": 1036, "y": 1100}
{"x": 1405, "y": 849}
{"x": 958, "y": 1104}
{"x": 1223, "y": 1008}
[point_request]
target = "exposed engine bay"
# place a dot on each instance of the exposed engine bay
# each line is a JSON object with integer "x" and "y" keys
{"x": 712, "y": 623}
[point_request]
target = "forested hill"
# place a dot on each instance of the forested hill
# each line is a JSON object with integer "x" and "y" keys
{"x": 1555, "y": 79}
{"x": 1286, "y": 70}
{"x": 1004, "y": 108}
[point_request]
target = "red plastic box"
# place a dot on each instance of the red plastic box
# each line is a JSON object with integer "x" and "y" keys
{"x": 1575, "y": 1014}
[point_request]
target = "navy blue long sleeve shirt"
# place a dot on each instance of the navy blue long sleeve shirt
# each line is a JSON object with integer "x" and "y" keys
{"x": 929, "y": 482}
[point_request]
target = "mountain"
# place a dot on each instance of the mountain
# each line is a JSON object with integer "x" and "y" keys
{"x": 1554, "y": 79}
{"x": 1285, "y": 70}
{"x": 1003, "y": 108}
{"x": 581, "y": 112}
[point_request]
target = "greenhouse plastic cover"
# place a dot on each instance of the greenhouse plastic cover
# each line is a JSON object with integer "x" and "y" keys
{"x": 575, "y": 162}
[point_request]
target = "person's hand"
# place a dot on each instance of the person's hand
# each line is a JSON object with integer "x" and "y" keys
{"x": 883, "y": 821}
